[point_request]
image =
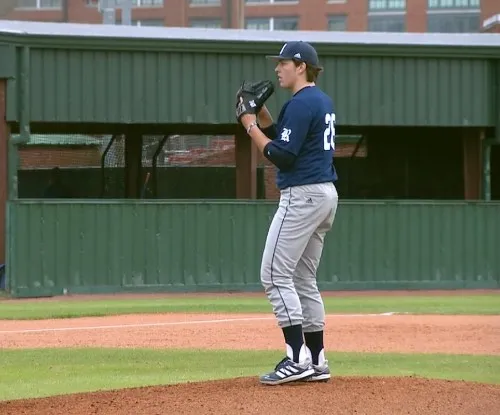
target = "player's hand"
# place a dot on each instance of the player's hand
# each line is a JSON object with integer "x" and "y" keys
{"x": 247, "y": 119}
{"x": 251, "y": 97}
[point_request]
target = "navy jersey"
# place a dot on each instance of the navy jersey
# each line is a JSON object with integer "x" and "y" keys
{"x": 305, "y": 130}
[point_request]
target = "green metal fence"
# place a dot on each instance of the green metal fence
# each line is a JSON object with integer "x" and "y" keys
{"x": 117, "y": 246}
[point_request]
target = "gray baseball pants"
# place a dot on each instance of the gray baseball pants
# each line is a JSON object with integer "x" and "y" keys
{"x": 293, "y": 251}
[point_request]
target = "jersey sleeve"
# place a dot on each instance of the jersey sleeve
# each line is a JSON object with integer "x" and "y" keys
{"x": 293, "y": 128}
{"x": 270, "y": 132}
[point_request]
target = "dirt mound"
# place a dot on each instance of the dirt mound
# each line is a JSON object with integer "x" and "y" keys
{"x": 344, "y": 395}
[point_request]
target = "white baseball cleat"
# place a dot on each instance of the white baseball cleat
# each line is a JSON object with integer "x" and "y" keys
{"x": 289, "y": 371}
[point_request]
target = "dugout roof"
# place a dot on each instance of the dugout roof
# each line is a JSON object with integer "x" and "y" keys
{"x": 112, "y": 75}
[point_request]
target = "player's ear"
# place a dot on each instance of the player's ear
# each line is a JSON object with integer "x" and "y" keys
{"x": 301, "y": 67}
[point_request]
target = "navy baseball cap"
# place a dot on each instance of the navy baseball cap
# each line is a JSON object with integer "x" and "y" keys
{"x": 299, "y": 51}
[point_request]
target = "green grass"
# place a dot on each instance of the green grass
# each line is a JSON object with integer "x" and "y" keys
{"x": 44, "y": 372}
{"x": 481, "y": 304}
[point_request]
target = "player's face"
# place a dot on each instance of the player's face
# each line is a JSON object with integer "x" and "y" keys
{"x": 287, "y": 73}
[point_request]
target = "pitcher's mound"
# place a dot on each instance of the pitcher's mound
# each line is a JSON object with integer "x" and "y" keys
{"x": 344, "y": 395}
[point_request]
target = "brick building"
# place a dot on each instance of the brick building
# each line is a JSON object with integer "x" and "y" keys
{"x": 350, "y": 15}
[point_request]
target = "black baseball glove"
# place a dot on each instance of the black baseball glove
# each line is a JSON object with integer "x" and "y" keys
{"x": 251, "y": 97}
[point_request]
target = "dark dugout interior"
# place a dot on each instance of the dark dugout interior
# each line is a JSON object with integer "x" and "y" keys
{"x": 425, "y": 164}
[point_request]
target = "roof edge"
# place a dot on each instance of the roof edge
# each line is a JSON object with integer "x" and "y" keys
{"x": 179, "y": 39}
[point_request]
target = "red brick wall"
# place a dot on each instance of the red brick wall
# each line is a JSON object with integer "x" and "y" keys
{"x": 87, "y": 156}
{"x": 226, "y": 157}
{"x": 61, "y": 156}
{"x": 313, "y": 13}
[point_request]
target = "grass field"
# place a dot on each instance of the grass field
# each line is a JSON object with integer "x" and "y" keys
{"x": 45, "y": 372}
{"x": 35, "y": 373}
{"x": 450, "y": 305}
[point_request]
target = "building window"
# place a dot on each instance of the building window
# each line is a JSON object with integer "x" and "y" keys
{"x": 204, "y": 2}
{"x": 258, "y": 24}
{"x": 144, "y": 22}
{"x": 387, "y": 23}
{"x": 453, "y": 4}
{"x": 453, "y": 16}
{"x": 146, "y": 3}
{"x": 39, "y": 4}
{"x": 272, "y": 23}
{"x": 386, "y": 5}
{"x": 453, "y": 23}
{"x": 270, "y": 1}
{"x": 387, "y": 16}
{"x": 285, "y": 23}
{"x": 135, "y": 3}
{"x": 337, "y": 23}
{"x": 148, "y": 22}
{"x": 206, "y": 23}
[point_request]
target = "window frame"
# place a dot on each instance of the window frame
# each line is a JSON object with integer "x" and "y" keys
{"x": 342, "y": 19}
{"x": 204, "y": 3}
{"x": 137, "y": 4}
{"x": 387, "y": 9}
{"x": 452, "y": 12}
{"x": 38, "y": 6}
{"x": 205, "y": 19}
{"x": 453, "y": 15}
{"x": 269, "y": 2}
{"x": 401, "y": 17}
{"x": 137, "y": 22}
{"x": 272, "y": 22}
{"x": 431, "y": 8}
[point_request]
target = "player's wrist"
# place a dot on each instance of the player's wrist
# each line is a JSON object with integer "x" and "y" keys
{"x": 252, "y": 125}
{"x": 265, "y": 118}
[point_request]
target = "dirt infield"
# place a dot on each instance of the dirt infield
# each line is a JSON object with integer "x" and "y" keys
{"x": 346, "y": 333}
{"x": 368, "y": 333}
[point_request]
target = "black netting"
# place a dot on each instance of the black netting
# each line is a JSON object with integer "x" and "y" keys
{"x": 70, "y": 165}
{"x": 94, "y": 166}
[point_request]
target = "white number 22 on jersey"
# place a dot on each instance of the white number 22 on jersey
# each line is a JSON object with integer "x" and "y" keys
{"x": 329, "y": 135}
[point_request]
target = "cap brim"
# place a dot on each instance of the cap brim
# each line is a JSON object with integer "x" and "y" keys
{"x": 276, "y": 57}
{"x": 284, "y": 58}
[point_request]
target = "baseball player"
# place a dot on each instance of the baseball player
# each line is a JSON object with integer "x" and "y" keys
{"x": 301, "y": 145}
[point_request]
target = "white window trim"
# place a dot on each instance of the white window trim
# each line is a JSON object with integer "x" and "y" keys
{"x": 453, "y": 11}
{"x": 38, "y": 7}
{"x": 139, "y": 23}
{"x": 271, "y": 21}
{"x": 218, "y": 4}
{"x": 387, "y": 13}
{"x": 452, "y": 8}
{"x": 205, "y": 19}
{"x": 271, "y": 3}
{"x": 95, "y": 3}
{"x": 147, "y": 6}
